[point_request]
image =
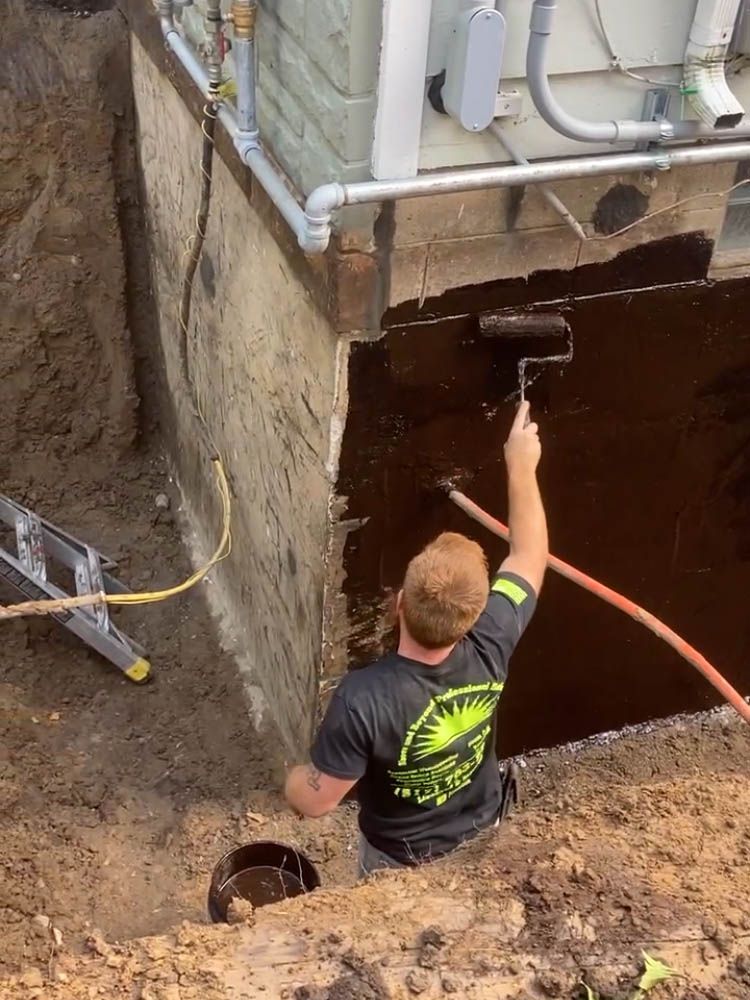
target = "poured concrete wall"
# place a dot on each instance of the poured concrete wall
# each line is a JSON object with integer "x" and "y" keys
{"x": 263, "y": 365}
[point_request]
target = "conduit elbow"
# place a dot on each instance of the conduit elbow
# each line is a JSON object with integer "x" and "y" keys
{"x": 245, "y": 143}
{"x": 164, "y": 10}
{"x": 319, "y": 207}
{"x": 542, "y": 18}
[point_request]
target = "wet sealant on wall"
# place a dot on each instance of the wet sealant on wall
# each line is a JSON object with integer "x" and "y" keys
{"x": 645, "y": 475}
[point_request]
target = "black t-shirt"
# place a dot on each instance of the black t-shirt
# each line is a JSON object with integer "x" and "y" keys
{"x": 420, "y": 740}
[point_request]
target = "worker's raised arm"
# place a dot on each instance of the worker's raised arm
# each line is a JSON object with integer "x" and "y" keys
{"x": 526, "y": 518}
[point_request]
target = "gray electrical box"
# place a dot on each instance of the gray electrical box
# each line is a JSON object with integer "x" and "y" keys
{"x": 475, "y": 60}
{"x": 741, "y": 40}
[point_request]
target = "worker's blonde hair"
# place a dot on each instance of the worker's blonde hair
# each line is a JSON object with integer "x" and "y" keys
{"x": 445, "y": 590}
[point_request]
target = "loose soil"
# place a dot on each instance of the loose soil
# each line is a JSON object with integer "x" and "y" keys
{"x": 117, "y": 800}
{"x": 619, "y": 847}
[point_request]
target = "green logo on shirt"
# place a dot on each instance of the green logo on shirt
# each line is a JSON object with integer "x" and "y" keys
{"x": 450, "y": 737}
{"x": 448, "y": 724}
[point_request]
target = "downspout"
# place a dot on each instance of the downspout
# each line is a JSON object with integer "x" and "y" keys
{"x": 705, "y": 80}
{"x": 542, "y": 21}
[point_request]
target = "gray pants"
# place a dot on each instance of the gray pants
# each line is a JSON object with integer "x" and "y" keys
{"x": 372, "y": 860}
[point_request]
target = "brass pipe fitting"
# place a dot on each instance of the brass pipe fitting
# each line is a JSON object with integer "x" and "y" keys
{"x": 244, "y": 14}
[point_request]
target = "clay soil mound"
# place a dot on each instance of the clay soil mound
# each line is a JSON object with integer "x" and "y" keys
{"x": 638, "y": 845}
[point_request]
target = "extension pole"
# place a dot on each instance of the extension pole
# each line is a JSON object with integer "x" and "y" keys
{"x": 686, "y": 651}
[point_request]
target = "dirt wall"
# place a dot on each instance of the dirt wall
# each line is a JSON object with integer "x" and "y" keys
{"x": 66, "y": 369}
{"x": 87, "y": 757}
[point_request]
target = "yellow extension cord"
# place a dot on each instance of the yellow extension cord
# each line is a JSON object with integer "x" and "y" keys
{"x": 223, "y": 549}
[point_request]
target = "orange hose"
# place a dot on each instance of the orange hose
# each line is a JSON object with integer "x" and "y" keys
{"x": 686, "y": 651}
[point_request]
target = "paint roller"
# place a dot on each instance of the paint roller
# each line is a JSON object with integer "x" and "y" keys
{"x": 547, "y": 326}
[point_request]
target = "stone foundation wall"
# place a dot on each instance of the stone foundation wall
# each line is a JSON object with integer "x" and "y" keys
{"x": 263, "y": 364}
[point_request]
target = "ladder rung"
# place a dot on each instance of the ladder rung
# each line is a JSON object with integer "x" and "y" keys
{"x": 36, "y": 539}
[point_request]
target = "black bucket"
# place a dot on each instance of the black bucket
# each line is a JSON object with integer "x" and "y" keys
{"x": 262, "y": 872}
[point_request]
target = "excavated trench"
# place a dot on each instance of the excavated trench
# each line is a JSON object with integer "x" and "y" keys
{"x": 646, "y": 475}
{"x": 116, "y": 800}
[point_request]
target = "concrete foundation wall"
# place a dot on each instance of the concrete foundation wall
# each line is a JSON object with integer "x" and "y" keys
{"x": 477, "y": 237}
{"x": 645, "y": 476}
{"x": 410, "y": 395}
{"x": 263, "y": 365}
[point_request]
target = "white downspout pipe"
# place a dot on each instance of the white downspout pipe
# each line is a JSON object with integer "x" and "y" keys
{"x": 705, "y": 80}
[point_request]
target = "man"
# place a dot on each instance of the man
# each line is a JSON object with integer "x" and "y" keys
{"x": 416, "y": 729}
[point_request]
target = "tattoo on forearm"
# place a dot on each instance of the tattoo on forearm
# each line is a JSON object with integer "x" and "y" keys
{"x": 313, "y": 777}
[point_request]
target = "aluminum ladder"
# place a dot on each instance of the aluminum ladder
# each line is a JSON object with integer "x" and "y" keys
{"x": 36, "y": 540}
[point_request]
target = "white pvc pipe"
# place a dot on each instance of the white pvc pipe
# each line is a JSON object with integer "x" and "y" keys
{"x": 329, "y": 197}
{"x": 364, "y": 192}
{"x": 247, "y": 145}
{"x": 195, "y": 69}
{"x": 271, "y": 180}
